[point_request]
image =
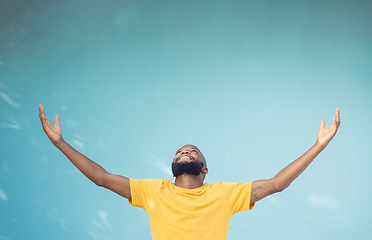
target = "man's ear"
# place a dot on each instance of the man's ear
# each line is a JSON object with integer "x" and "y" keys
{"x": 204, "y": 172}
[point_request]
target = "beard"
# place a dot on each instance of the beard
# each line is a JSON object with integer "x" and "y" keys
{"x": 189, "y": 168}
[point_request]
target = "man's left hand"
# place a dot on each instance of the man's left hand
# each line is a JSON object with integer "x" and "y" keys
{"x": 325, "y": 135}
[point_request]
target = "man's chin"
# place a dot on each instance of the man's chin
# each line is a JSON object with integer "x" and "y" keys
{"x": 186, "y": 167}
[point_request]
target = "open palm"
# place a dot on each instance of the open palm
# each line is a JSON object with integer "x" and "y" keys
{"x": 325, "y": 135}
{"x": 54, "y": 132}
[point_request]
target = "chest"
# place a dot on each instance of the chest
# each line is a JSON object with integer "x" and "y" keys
{"x": 170, "y": 202}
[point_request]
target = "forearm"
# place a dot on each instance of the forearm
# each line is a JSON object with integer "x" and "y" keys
{"x": 288, "y": 174}
{"x": 90, "y": 169}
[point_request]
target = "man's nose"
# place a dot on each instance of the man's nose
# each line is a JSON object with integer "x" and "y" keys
{"x": 185, "y": 152}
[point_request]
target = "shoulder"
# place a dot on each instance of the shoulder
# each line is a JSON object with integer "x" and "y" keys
{"x": 226, "y": 184}
{"x": 221, "y": 186}
{"x": 231, "y": 186}
{"x": 148, "y": 182}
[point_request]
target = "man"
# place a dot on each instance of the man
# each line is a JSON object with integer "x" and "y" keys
{"x": 189, "y": 208}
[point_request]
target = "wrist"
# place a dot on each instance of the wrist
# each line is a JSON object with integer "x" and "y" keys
{"x": 59, "y": 142}
{"x": 319, "y": 146}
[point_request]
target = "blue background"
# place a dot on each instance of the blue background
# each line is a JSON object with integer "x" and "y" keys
{"x": 246, "y": 81}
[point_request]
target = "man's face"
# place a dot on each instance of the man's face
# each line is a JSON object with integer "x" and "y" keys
{"x": 189, "y": 160}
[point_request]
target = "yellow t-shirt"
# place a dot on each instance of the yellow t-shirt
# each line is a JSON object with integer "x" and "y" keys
{"x": 190, "y": 214}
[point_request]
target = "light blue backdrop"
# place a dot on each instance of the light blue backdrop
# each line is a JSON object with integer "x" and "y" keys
{"x": 246, "y": 81}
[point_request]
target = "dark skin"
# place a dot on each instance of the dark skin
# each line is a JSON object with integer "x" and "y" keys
{"x": 121, "y": 185}
{"x": 190, "y": 153}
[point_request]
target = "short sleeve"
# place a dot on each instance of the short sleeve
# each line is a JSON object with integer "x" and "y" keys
{"x": 238, "y": 196}
{"x": 141, "y": 190}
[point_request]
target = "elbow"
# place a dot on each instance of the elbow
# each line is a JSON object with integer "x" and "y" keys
{"x": 280, "y": 187}
{"x": 99, "y": 181}
{"x": 98, "y": 184}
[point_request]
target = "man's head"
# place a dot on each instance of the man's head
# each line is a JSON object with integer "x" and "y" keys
{"x": 189, "y": 160}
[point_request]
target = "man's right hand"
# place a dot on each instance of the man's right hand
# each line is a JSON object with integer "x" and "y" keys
{"x": 54, "y": 132}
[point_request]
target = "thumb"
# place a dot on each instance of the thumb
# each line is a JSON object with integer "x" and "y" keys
{"x": 322, "y": 124}
{"x": 56, "y": 119}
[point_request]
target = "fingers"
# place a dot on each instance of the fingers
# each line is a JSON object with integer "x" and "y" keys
{"x": 333, "y": 126}
{"x": 40, "y": 110}
{"x": 42, "y": 113}
{"x": 322, "y": 124}
{"x": 338, "y": 121}
{"x": 44, "y": 120}
{"x": 56, "y": 120}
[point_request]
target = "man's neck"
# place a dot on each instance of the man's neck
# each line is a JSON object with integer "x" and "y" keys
{"x": 188, "y": 181}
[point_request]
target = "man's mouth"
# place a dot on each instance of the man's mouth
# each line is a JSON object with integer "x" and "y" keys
{"x": 185, "y": 157}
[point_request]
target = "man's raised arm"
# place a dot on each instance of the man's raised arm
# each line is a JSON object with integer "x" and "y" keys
{"x": 90, "y": 169}
{"x": 264, "y": 188}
